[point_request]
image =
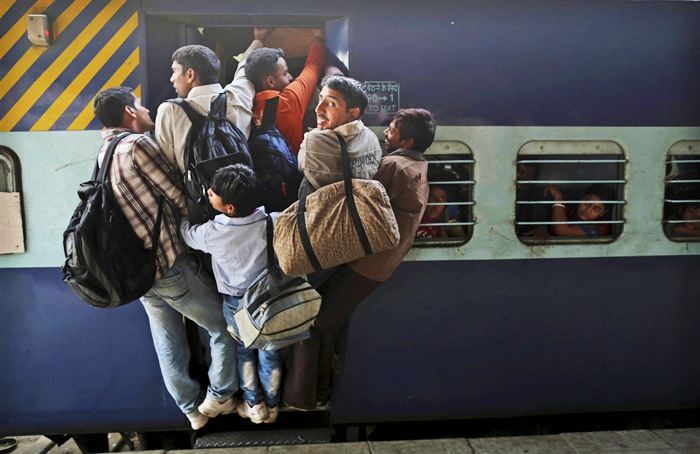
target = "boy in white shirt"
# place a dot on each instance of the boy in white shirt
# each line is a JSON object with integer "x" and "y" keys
{"x": 237, "y": 242}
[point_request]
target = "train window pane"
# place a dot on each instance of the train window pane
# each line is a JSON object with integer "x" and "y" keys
{"x": 448, "y": 218}
{"x": 12, "y": 240}
{"x": 569, "y": 192}
{"x": 681, "y": 218}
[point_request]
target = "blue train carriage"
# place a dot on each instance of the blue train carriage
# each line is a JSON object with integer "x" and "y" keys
{"x": 479, "y": 321}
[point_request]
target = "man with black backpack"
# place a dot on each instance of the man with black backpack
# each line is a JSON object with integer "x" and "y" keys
{"x": 140, "y": 179}
{"x": 195, "y": 79}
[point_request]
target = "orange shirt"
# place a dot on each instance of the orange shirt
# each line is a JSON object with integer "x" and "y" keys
{"x": 294, "y": 98}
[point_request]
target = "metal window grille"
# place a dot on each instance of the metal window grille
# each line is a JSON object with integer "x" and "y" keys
{"x": 450, "y": 168}
{"x": 682, "y": 192}
{"x": 571, "y": 167}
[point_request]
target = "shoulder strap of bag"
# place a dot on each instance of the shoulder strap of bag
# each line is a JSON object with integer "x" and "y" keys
{"x": 194, "y": 116}
{"x": 357, "y": 222}
{"x": 303, "y": 232}
{"x": 107, "y": 160}
{"x": 218, "y": 106}
{"x": 271, "y": 259}
{"x": 155, "y": 236}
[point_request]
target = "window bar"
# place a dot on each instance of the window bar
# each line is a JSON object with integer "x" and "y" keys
{"x": 452, "y": 161}
{"x": 571, "y": 161}
{"x": 528, "y": 202}
{"x": 680, "y": 221}
{"x": 682, "y": 181}
{"x": 570, "y": 222}
{"x": 453, "y": 182}
{"x": 683, "y": 161}
{"x": 572, "y": 181}
{"x": 681, "y": 201}
{"x": 447, "y": 224}
{"x": 451, "y": 203}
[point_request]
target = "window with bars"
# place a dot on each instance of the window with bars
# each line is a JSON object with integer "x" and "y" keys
{"x": 681, "y": 219}
{"x": 569, "y": 192}
{"x": 448, "y": 218}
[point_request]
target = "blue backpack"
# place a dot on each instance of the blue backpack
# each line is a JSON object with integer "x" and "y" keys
{"x": 274, "y": 162}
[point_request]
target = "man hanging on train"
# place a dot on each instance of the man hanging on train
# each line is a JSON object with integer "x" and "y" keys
{"x": 404, "y": 174}
{"x": 195, "y": 79}
{"x": 267, "y": 69}
{"x": 140, "y": 175}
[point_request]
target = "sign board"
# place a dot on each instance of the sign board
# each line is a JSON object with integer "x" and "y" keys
{"x": 384, "y": 97}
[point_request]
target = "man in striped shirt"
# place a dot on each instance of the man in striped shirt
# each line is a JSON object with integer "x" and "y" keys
{"x": 140, "y": 175}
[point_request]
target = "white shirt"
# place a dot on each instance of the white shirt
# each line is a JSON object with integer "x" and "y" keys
{"x": 238, "y": 247}
{"x": 172, "y": 124}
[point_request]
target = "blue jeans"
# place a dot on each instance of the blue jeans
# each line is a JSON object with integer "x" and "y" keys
{"x": 260, "y": 371}
{"x": 188, "y": 290}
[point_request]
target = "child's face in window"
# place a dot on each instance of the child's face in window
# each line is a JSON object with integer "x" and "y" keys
{"x": 692, "y": 214}
{"x": 437, "y": 195}
{"x": 591, "y": 211}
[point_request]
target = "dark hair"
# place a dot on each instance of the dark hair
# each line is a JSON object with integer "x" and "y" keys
{"x": 109, "y": 105}
{"x": 260, "y": 64}
{"x": 604, "y": 193}
{"x": 201, "y": 59}
{"x": 440, "y": 178}
{"x": 416, "y": 124}
{"x": 354, "y": 93}
{"x": 237, "y": 185}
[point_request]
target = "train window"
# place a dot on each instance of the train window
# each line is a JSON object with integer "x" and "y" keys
{"x": 448, "y": 218}
{"x": 569, "y": 192}
{"x": 681, "y": 218}
{"x": 12, "y": 238}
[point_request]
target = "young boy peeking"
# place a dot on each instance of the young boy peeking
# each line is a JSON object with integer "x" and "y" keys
{"x": 686, "y": 212}
{"x": 593, "y": 209}
{"x": 237, "y": 242}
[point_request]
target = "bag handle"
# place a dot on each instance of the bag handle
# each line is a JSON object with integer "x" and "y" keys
{"x": 357, "y": 222}
{"x": 303, "y": 232}
{"x": 352, "y": 207}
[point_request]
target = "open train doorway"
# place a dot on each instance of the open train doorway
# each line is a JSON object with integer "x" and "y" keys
{"x": 229, "y": 37}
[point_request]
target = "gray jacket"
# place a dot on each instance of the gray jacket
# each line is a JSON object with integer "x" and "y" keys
{"x": 319, "y": 155}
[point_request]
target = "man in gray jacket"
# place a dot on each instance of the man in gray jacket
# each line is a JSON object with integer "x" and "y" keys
{"x": 341, "y": 103}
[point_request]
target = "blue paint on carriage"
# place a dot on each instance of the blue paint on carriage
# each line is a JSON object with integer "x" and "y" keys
{"x": 510, "y": 338}
{"x": 535, "y": 63}
{"x": 71, "y": 368}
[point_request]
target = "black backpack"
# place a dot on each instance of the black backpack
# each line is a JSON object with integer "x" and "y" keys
{"x": 273, "y": 161}
{"x": 106, "y": 264}
{"x": 212, "y": 142}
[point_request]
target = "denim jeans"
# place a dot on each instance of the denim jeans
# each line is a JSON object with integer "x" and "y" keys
{"x": 187, "y": 290}
{"x": 260, "y": 371}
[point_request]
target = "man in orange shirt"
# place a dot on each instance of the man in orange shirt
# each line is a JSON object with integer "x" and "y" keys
{"x": 267, "y": 69}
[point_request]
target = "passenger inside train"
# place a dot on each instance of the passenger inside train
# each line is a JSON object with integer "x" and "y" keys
{"x": 437, "y": 211}
{"x": 586, "y": 215}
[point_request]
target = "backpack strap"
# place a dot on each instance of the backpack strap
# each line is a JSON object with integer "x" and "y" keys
{"x": 218, "y": 106}
{"x": 270, "y": 112}
{"x": 347, "y": 174}
{"x": 194, "y": 116}
{"x": 270, "y": 235}
{"x": 107, "y": 160}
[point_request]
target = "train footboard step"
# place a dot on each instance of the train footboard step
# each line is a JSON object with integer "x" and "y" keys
{"x": 271, "y": 437}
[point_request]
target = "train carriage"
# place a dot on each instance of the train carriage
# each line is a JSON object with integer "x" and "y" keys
{"x": 481, "y": 322}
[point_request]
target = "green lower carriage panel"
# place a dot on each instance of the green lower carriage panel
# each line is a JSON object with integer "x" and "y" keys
{"x": 264, "y": 437}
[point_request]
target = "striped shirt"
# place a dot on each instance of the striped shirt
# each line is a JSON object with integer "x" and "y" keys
{"x": 140, "y": 175}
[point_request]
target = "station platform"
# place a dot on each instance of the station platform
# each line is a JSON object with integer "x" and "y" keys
{"x": 665, "y": 441}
